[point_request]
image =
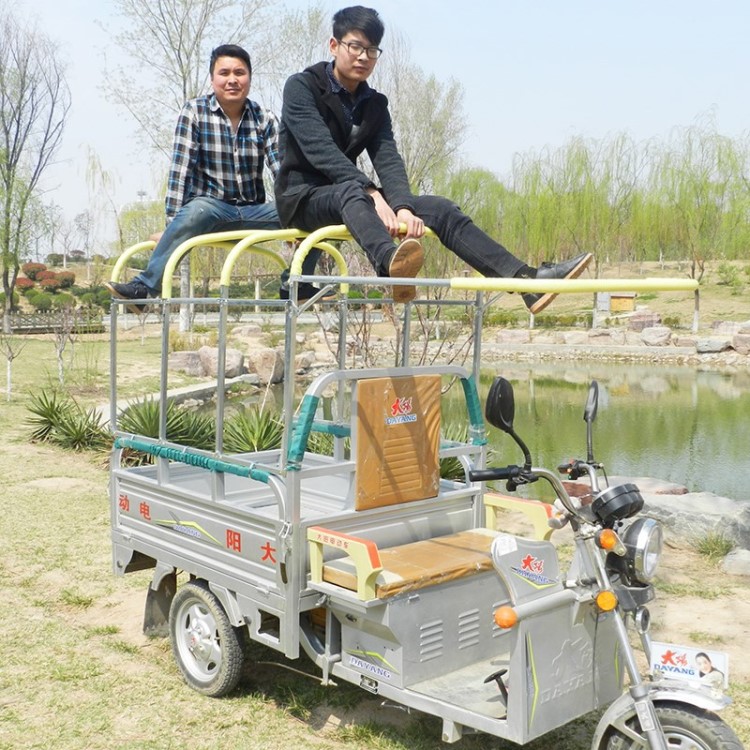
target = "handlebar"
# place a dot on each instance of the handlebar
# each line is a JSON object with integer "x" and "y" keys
{"x": 517, "y": 475}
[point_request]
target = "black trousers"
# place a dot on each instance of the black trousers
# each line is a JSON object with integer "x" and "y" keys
{"x": 348, "y": 203}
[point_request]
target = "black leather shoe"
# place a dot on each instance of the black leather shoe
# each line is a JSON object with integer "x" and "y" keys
{"x": 305, "y": 291}
{"x": 568, "y": 269}
{"x": 134, "y": 290}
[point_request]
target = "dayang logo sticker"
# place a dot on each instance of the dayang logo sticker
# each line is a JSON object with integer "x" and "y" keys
{"x": 532, "y": 570}
{"x": 401, "y": 411}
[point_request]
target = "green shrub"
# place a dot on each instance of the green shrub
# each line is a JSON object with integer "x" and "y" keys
{"x": 14, "y": 303}
{"x": 728, "y": 274}
{"x": 63, "y": 300}
{"x": 59, "y": 419}
{"x": 252, "y": 429}
{"x": 184, "y": 426}
{"x": 502, "y": 318}
{"x": 66, "y": 279}
{"x": 672, "y": 321}
{"x": 41, "y": 302}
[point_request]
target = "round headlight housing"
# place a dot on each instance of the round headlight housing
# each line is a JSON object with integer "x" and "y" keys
{"x": 643, "y": 541}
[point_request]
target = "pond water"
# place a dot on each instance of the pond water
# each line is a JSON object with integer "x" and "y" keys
{"x": 673, "y": 423}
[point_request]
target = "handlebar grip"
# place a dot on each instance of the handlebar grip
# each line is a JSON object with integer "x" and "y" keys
{"x": 490, "y": 475}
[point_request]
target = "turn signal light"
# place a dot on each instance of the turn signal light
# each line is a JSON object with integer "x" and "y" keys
{"x": 606, "y": 600}
{"x": 608, "y": 540}
{"x": 505, "y": 617}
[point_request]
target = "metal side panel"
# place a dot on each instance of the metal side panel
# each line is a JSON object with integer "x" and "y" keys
{"x": 217, "y": 542}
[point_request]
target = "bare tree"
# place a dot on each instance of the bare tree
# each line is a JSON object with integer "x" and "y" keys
{"x": 11, "y": 346}
{"x": 34, "y": 103}
{"x": 172, "y": 40}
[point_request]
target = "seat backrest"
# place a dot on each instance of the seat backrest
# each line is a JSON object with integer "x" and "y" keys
{"x": 396, "y": 439}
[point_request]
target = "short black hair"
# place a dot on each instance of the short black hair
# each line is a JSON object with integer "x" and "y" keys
{"x": 358, "y": 18}
{"x": 230, "y": 50}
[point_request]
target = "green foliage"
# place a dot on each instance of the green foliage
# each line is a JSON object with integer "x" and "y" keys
{"x": 66, "y": 279}
{"x": 252, "y": 429}
{"x": 672, "y": 321}
{"x": 564, "y": 320}
{"x": 63, "y": 300}
{"x": 41, "y": 302}
{"x": 184, "y": 426}
{"x": 714, "y": 546}
{"x": 60, "y": 419}
{"x": 16, "y": 300}
{"x": 501, "y": 318}
{"x": 54, "y": 259}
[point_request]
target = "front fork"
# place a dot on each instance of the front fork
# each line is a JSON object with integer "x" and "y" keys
{"x": 639, "y": 691}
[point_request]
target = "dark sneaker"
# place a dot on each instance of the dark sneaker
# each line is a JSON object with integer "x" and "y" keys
{"x": 134, "y": 290}
{"x": 569, "y": 269}
{"x": 305, "y": 291}
{"x": 406, "y": 262}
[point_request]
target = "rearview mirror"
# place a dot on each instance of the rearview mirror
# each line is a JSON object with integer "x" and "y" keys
{"x": 500, "y": 408}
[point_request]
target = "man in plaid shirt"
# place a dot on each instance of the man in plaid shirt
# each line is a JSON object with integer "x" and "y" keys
{"x": 216, "y": 177}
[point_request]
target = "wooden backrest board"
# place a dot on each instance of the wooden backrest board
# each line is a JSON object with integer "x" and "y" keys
{"x": 397, "y": 439}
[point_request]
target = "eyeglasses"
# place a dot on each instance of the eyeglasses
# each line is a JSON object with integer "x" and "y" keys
{"x": 356, "y": 49}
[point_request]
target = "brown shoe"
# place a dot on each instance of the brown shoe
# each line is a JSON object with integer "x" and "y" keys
{"x": 406, "y": 262}
{"x": 569, "y": 269}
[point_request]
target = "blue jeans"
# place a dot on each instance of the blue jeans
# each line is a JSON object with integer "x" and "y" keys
{"x": 349, "y": 203}
{"x": 203, "y": 215}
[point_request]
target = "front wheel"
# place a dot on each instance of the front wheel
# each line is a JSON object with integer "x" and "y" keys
{"x": 686, "y": 727}
{"x": 207, "y": 649}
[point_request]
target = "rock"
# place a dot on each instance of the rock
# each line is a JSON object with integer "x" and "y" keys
{"x": 304, "y": 361}
{"x": 268, "y": 364}
{"x": 712, "y": 346}
{"x": 685, "y": 341}
{"x": 656, "y": 336}
{"x": 741, "y": 343}
{"x": 737, "y": 563}
{"x": 251, "y": 330}
{"x": 726, "y": 326}
{"x": 576, "y": 338}
{"x": 643, "y": 319}
{"x": 692, "y": 516}
{"x": 187, "y": 362}
{"x": 210, "y": 358}
{"x": 514, "y": 336}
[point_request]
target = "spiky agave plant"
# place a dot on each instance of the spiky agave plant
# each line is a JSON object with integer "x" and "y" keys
{"x": 252, "y": 429}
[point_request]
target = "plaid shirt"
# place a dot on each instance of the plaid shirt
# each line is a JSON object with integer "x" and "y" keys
{"x": 209, "y": 159}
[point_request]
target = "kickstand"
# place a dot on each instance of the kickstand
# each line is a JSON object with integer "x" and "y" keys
{"x": 498, "y": 678}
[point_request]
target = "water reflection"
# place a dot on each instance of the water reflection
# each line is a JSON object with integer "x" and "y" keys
{"x": 675, "y": 423}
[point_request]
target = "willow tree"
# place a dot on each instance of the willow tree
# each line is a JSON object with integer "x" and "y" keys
{"x": 34, "y": 103}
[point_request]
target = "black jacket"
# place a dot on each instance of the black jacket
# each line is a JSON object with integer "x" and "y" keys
{"x": 318, "y": 147}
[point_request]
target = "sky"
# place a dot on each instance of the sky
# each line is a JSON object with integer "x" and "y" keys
{"x": 535, "y": 73}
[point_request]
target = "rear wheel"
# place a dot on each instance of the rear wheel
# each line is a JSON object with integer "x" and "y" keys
{"x": 686, "y": 727}
{"x": 207, "y": 649}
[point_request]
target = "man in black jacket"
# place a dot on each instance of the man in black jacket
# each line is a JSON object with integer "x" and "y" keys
{"x": 330, "y": 115}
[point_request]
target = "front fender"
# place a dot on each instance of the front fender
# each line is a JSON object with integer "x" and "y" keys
{"x": 623, "y": 708}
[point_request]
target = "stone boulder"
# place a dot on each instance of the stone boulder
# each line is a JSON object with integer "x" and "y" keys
{"x": 741, "y": 343}
{"x": 690, "y": 517}
{"x": 233, "y": 366}
{"x": 656, "y": 336}
{"x": 188, "y": 362}
{"x": 712, "y": 346}
{"x": 268, "y": 364}
{"x": 643, "y": 319}
{"x": 737, "y": 563}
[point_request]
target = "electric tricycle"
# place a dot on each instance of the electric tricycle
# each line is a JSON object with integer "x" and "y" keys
{"x": 367, "y": 561}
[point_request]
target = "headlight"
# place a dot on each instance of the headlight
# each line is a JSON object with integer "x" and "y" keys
{"x": 643, "y": 541}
